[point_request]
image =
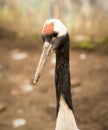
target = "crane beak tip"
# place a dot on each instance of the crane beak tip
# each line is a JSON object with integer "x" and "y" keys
{"x": 34, "y": 81}
{"x": 45, "y": 53}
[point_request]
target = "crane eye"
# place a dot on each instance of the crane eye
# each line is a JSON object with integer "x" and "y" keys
{"x": 54, "y": 36}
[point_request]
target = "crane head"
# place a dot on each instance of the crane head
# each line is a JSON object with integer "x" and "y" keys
{"x": 52, "y": 33}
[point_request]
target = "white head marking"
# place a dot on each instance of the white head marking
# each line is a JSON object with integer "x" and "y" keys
{"x": 58, "y": 26}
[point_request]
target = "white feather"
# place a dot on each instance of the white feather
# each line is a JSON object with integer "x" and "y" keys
{"x": 65, "y": 119}
{"x": 58, "y": 26}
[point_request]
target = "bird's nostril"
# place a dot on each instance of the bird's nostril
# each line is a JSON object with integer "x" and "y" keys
{"x": 53, "y": 39}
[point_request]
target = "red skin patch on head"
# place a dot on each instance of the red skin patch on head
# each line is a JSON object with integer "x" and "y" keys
{"x": 48, "y": 29}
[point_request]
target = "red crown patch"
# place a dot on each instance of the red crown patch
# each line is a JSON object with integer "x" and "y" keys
{"x": 48, "y": 29}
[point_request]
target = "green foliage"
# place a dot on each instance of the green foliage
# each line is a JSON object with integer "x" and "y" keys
{"x": 90, "y": 45}
{"x": 106, "y": 41}
{"x": 87, "y": 45}
{"x": 7, "y": 34}
{"x": 84, "y": 45}
{"x": 6, "y": 15}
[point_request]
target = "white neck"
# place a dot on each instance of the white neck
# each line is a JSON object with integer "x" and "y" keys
{"x": 65, "y": 119}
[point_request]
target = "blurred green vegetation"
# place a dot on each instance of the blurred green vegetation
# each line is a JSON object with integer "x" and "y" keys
{"x": 24, "y": 19}
{"x": 85, "y": 45}
{"x": 91, "y": 44}
{"x": 14, "y": 20}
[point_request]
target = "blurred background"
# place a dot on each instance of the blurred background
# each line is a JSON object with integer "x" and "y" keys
{"x": 27, "y": 107}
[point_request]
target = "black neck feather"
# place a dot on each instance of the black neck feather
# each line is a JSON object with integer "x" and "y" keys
{"x": 62, "y": 73}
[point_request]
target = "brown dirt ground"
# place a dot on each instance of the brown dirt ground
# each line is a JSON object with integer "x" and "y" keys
{"x": 38, "y": 107}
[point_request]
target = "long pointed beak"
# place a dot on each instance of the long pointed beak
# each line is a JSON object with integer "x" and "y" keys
{"x": 45, "y": 53}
